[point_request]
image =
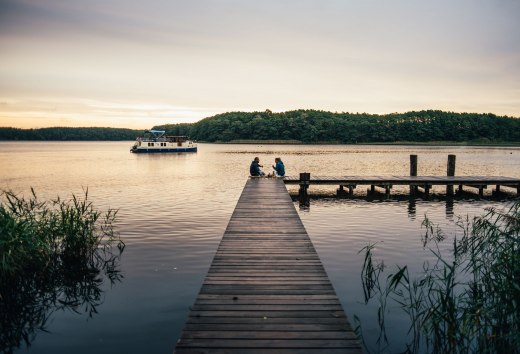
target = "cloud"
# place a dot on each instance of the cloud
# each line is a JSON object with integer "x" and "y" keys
{"x": 374, "y": 56}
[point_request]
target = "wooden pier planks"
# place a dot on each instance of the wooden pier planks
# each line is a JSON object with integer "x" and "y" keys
{"x": 410, "y": 180}
{"x": 266, "y": 290}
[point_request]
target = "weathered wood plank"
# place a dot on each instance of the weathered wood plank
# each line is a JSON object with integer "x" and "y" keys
{"x": 407, "y": 180}
{"x": 273, "y": 320}
{"x": 266, "y": 343}
{"x": 265, "y": 350}
{"x": 266, "y": 290}
{"x": 261, "y": 327}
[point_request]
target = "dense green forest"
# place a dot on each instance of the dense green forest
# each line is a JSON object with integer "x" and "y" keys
{"x": 62, "y": 133}
{"x": 311, "y": 126}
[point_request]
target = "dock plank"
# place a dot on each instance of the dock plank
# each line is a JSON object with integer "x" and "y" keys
{"x": 408, "y": 180}
{"x": 266, "y": 290}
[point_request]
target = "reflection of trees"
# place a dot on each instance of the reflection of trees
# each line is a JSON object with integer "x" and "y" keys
{"x": 54, "y": 256}
{"x": 27, "y": 302}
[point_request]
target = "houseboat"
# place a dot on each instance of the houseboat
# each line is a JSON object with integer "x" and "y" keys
{"x": 156, "y": 141}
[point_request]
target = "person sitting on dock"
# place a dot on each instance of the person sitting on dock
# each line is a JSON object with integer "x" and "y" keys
{"x": 279, "y": 168}
{"x": 254, "y": 169}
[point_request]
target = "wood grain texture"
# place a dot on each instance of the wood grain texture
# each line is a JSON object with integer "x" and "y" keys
{"x": 266, "y": 290}
{"x": 409, "y": 180}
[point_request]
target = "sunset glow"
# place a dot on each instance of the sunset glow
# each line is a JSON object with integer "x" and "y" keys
{"x": 135, "y": 64}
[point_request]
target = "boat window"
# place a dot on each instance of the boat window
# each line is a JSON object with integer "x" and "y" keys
{"x": 179, "y": 143}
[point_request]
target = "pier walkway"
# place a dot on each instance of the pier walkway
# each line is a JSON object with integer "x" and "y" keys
{"x": 266, "y": 290}
{"x": 425, "y": 182}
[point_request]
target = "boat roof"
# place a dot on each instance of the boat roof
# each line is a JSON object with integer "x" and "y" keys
{"x": 155, "y": 131}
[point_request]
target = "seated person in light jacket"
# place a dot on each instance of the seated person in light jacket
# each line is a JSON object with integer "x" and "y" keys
{"x": 279, "y": 168}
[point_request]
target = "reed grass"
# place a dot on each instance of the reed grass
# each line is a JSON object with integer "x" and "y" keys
{"x": 54, "y": 256}
{"x": 467, "y": 301}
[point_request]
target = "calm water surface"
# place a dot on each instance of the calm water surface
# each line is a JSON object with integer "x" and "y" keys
{"x": 173, "y": 210}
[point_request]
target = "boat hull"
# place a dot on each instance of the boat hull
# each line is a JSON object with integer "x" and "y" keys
{"x": 143, "y": 150}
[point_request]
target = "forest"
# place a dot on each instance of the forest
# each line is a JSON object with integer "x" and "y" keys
{"x": 66, "y": 133}
{"x": 311, "y": 126}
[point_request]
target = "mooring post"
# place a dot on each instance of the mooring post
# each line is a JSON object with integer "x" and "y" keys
{"x": 450, "y": 173}
{"x": 340, "y": 192}
{"x": 387, "y": 191}
{"x": 413, "y": 172}
{"x": 303, "y": 196}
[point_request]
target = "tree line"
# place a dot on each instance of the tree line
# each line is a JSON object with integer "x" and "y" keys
{"x": 66, "y": 133}
{"x": 311, "y": 126}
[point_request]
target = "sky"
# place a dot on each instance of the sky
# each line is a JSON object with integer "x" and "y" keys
{"x": 136, "y": 64}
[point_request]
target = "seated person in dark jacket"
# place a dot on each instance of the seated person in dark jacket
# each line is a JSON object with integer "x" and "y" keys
{"x": 254, "y": 169}
{"x": 279, "y": 168}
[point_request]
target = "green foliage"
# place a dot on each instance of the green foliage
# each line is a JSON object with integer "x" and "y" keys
{"x": 467, "y": 301}
{"x": 175, "y": 129}
{"x": 53, "y": 256}
{"x": 65, "y": 133}
{"x": 311, "y": 126}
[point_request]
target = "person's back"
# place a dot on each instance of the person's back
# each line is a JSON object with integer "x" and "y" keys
{"x": 254, "y": 169}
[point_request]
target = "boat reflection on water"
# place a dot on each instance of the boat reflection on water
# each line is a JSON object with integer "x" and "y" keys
{"x": 27, "y": 302}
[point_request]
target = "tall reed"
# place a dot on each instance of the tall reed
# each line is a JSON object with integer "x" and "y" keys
{"x": 467, "y": 301}
{"x": 53, "y": 256}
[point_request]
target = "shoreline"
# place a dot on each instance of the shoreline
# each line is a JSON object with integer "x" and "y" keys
{"x": 296, "y": 142}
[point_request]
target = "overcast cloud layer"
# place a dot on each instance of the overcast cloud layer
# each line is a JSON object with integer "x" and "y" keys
{"x": 136, "y": 64}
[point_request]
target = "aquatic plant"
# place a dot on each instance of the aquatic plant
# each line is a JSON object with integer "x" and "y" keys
{"x": 54, "y": 255}
{"x": 467, "y": 301}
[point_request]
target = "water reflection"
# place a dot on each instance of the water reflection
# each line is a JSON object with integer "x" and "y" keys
{"x": 175, "y": 208}
{"x": 449, "y": 208}
{"x": 305, "y": 202}
{"x": 412, "y": 207}
{"x": 28, "y": 302}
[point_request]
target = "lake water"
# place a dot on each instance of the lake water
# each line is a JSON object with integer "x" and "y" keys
{"x": 173, "y": 210}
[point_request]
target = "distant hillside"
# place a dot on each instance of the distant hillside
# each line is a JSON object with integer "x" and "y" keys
{"x": 62, "y": 133}
{"x": 310, "y": 126}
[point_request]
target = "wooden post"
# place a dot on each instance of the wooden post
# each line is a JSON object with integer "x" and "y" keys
{"x": 450, "y": 173}
{"x": 340, "y": 192}
{"x": 413, "y": 172}
{"x": 303, "y": 196}
{"x": 413, "y": 165}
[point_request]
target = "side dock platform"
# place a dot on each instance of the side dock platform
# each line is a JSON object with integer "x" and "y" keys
{"x": 266, "y": 290}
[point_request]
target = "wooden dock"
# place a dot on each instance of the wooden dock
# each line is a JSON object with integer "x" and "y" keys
{"x": 266, "y": 290}
{"x": 425, "y": 182}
